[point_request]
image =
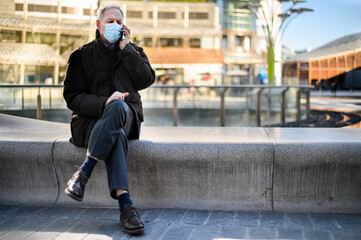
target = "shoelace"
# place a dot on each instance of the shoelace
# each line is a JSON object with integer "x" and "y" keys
{"x": 132, "y": 212}
{"x": 81, "y": 178}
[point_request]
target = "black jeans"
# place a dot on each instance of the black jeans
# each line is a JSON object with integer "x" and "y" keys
{"x": 108, "y": 142}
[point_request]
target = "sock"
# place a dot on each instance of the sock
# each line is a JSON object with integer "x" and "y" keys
{"x": 88, "y": 165}
{"x": 124, "y": 199}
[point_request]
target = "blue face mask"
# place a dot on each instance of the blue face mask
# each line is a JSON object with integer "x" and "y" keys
{"x": 112, "y": 32}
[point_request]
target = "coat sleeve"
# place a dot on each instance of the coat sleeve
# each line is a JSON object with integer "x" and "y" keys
{"x": 138, "y": 66}
{"x": 76, "y": 92}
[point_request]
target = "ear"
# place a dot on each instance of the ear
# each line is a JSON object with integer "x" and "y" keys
{"x": 98, "y": 24}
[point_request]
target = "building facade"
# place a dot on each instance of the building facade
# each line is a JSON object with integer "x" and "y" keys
{"x": 213, "y": 42}
{"x": 37, "y": 37}
{"x": 336, "y": 64}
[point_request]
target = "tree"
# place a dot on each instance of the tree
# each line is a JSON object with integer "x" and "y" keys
{"x": 274, "y": 22}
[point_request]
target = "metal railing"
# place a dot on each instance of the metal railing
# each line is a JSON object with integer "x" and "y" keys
{"x": 221, "y": 89}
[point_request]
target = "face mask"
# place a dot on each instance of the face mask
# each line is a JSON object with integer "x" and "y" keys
{"x": 112, "y": 32}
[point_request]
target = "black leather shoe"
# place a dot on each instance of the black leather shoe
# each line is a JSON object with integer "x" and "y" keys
{"x": 130, "y": 220}
{"x": 76, "y": 185}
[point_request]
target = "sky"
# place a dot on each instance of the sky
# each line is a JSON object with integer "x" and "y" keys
{"x": 330, "y": 20}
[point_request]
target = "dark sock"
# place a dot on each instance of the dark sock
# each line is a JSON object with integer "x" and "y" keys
{"x": 88, "y": 165}
{"x": 124, "y": 199}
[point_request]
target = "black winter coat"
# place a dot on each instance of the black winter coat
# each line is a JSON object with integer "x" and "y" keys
{"x": 93, "y": 74}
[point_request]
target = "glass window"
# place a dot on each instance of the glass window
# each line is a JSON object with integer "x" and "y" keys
{"x": 69, "y": 10}
{"x": 198, "y": 15}
{"x": 171, "y": 42}
{"x": 19, "y": 7}
{"x": 195, "y": 43}
{"x": 148, "y": 42}
{"x": 166, "y": 15}
{"x": 42, "y": 8}
{"x": 134, "y": 14}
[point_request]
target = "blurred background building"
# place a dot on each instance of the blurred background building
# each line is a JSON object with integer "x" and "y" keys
{"x": 335, "y": 65}
{"x": 204, "y": 42}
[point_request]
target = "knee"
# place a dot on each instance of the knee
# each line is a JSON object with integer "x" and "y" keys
{"x": 117, "y": 106}
{"x": 118, "y": 109}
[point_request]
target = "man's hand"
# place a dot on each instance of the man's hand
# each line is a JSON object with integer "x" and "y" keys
{"x": 126, "y": 39}
{"x": 117, "y": 95}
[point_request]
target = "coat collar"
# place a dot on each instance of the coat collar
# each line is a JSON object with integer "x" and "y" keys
{"x": 102, "y": 45}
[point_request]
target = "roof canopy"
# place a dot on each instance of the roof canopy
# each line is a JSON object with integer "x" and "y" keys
{"x": 171, "y": 55}
{"x": 29, "y": 54}
{"x": 339, "y": 46}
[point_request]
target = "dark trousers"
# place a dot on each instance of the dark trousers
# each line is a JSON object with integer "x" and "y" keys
{"x": 108, "y": 142}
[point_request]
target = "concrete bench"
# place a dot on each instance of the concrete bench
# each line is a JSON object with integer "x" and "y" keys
{"x": 214, "y": 168}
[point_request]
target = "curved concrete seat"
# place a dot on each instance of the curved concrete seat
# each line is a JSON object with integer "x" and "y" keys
{"x": 211, "y": 168}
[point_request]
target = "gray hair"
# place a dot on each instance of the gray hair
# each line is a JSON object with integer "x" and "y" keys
{"x": 104, "y": 7}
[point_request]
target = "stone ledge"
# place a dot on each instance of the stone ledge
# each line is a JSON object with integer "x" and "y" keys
{"x": 192, "y": 167}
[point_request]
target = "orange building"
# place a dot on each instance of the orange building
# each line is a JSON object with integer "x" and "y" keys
{"x": 337, "y": 64}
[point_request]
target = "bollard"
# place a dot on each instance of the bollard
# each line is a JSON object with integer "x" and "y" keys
{"x": 298, "y": 105}
{"x": 175, "y": 109}
{"x": 308, "y": 103}
{"x": 38, "y": 108}
{"x": 258, "y": 110}
{"x": 22, "y": 99}
{"x": 223, "y": 108}
{"x": 283, "y": 105}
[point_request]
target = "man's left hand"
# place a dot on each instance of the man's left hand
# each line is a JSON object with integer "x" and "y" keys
{"x": 126, "y": 38}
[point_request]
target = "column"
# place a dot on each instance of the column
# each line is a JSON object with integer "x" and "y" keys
{"x": 246, "y": 44}
{"x": 22, "y": 74}
{"x": 125, "y": 13}
{"x": 25, "y": 10}
{"x": 186, "y": 17}
{"x": 59, "y": 11}
{"x": 216, "y": 18}
{"x": 57, "y": 50}
{"x": 155, "y": 16}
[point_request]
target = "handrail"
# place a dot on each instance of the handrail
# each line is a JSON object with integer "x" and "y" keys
{"x": 223, "y": 88}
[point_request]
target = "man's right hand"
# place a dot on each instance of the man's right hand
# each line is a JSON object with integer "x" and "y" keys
{"x": 117, "y": 95}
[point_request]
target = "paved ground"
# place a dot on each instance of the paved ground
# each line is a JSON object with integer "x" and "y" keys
{"x": 29, "y": 222}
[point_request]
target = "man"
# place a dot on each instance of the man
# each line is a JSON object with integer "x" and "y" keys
{"x": 101, "y": 87}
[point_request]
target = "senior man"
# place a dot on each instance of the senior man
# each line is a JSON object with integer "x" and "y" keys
{"x": 101, "y": 87}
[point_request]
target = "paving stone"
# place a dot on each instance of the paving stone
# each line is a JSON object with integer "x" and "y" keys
{"x": 205, "y": 232}
{"x": 26, "y": 210}
{"x": 349, "y": 221}
{"x": 107, "y": 230}
{"x": 249, "y": 219}
{"x": 48, "y": 212}
{"x": 324, "y": 221}
{"x": 346, "y": 234}
{"x": 93, "y": 214}
{"x": 261, "y": 233}
{"x": 3, "y": 219}
{"x": 172, "y": 215}
{"x": 110, "y": 214}
{"x": 8, "y": 209}
{"x": 12, "y": 223}
{"x": 196, "y": 217}
{"x": 289, "y": 233}
{"x": 154, "y": 230}
{"x": 69, "y": 212}
{"x": 26, "y": 229}
{"x": 53, "y": 230}
{"x": 272, "y": 220}
{"x": 317, "y": 234}
{"x": 299, "y": 221}
{"x": 153, "y": 215}
{"x": 233, "y": 232}
{"x": 178, "y": 232}
{"x": 221, "y": 217}
{"x": 79, "y": 230}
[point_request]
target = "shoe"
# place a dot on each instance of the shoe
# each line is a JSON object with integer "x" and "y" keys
{"x": 76, "y": 185}
{"x": 130, "y": 220}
